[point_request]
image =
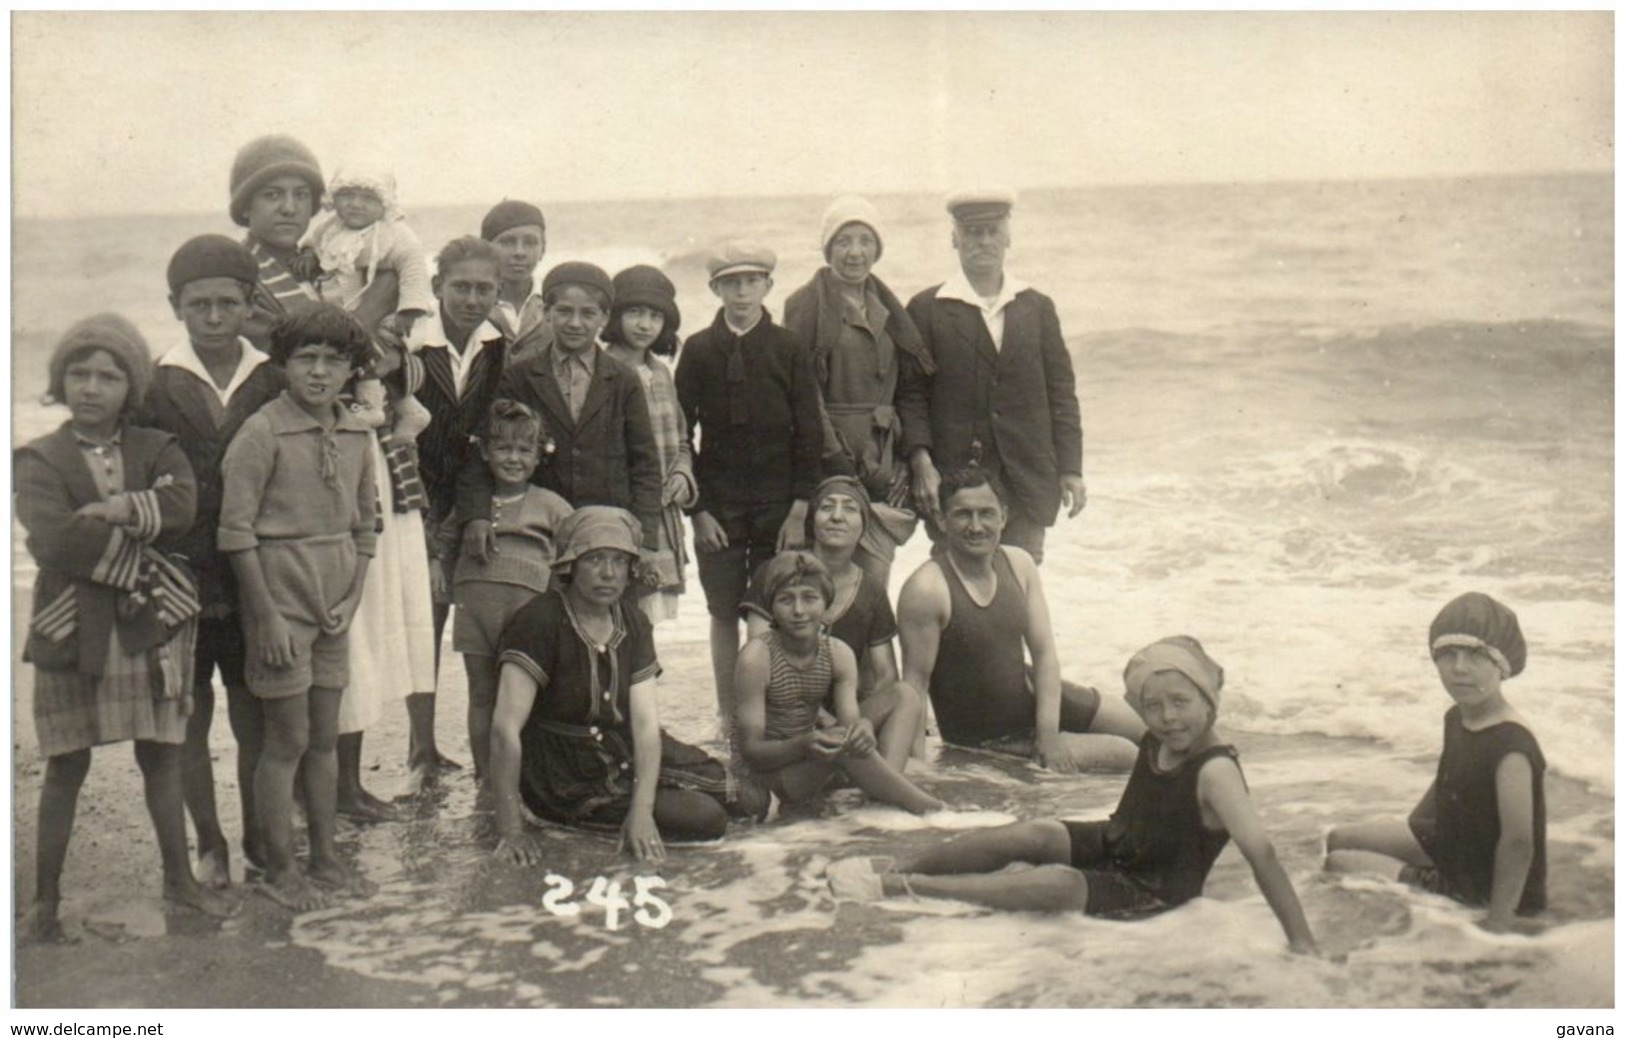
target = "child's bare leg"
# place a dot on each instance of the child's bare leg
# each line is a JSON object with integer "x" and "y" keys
{"x": 161, "y": 777}
{"x": 247, "y": 719}
{"x": 287, "y": 733}
{"x": 197, "y": 788}
{"x": 897, "y": 711}
{"x": 1046, "y": 888}
{"x": 880, "y": 781}
{"x": 1039, "y": 842}
{"x": 724, "y": 656}
{"x": 1355, "y": 848}
{"x": 685, "y": 814}
{"x": 353, "y": 799}
{"x": 321, "y": 789}
{"x": 58, "y": 802}
{"x": 482, "y": 703}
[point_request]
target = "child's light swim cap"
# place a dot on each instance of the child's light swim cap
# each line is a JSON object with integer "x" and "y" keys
{"x": 1477, "y": 621}
{"x": 1181, "y": 654}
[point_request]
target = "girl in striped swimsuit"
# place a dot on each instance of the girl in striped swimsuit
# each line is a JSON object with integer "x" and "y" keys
{"x": 781, "y": 680}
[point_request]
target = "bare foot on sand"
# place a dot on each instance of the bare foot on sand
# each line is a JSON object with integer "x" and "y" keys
{"x": 195, "y": 897}
{"x": 214, "y": 868}
{"x": 42, "y": 925}
{"x": 421, "y": 779}
{"x": 365, "y": 808}
{"x": 445, "y": 763}
{"x": 338, "y": 878}
{"x": 293, "y": 892}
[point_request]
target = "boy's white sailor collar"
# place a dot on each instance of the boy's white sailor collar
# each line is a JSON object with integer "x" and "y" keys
{"x": 185, "y": 357}
{"x": 430, "y": 332}
{"x": 959, "y": 287}
{"x": 287, "y": 417}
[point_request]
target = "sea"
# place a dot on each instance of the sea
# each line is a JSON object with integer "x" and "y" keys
{"x": 1313, "y": 413}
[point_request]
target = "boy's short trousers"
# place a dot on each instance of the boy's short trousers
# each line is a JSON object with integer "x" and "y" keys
{"x": 323, "y": 661}
{"x": 484, "y": 608}
{"x": 753, "y": 536}
{"x": 1079, "y": 705}
{"x": 220, "y": 644}
{"x": 1112, "y": 893}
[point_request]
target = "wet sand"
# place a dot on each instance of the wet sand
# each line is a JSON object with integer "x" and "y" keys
{"x": 752, "y": 922}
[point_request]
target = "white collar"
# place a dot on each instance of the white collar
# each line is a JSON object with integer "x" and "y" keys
{"x": 959, "y": 287}
{"x": 186, "y": 358}
{"x": 430, "y": 333}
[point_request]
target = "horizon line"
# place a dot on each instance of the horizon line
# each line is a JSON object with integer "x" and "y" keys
{"x": 17, "y": 216}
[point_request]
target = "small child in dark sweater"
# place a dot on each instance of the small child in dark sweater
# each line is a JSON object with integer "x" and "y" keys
{"x": 1479, "y": 833}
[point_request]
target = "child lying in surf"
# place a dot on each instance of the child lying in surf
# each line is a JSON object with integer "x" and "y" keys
{"x": 1479, "y": 834}
{"x": 1185, "y": 800}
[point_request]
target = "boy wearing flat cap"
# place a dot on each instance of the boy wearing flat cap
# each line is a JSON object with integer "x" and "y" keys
{"x": 1184, "y": 801}
{"x": 211, "y": 289}
{"x": 1003, "y": 385}
{"x": 519, "y": 232}
{"x": 1479, "y": 834}
{"x": 747, "y": 384}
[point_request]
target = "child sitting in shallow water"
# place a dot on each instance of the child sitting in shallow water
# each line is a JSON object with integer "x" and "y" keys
{"x": 1479, "y": 833}
{"x": 785, "y": 676}
{"x": 1184, "y": 801}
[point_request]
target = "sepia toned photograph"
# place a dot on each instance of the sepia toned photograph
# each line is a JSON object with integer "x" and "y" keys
{"x": 783, "y": 510}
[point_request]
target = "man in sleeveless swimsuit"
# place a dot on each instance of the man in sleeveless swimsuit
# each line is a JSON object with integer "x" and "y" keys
{"x": 965, "y": 617}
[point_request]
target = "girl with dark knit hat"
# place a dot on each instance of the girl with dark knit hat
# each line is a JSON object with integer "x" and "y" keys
{"x": 642, "y": 330}
{"x": 114, "y": 617}
{"x": 1479, "y": 834}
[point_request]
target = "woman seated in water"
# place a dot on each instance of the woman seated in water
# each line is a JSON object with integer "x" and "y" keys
{"x": 782, "y": 680}
{"x": 576, "y": 734}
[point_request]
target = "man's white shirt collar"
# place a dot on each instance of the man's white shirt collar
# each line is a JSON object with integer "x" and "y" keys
{"x": 186, "y": 358}
{"x": 959, "y": 287}
{"x": 430, "y": 333}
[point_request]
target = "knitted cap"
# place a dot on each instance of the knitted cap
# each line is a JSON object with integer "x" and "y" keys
{"x": 211, "y": 256}
{"x": 119, "y": 338}
{"x": 644, "y": 285}
{"x": 851, "y": 209}
{"x": 1477, "y": 621}
{"x": 508, "y": 214}
{"x": 980, "y": 205}
{"x": 740, "y": 257}
{"x": 596, "y": 526}
{"x": 264, "y": 159}
{"x": 365, "y": 177}
{"x": 585, "y": 275}
{"x": 1178, "y": 653}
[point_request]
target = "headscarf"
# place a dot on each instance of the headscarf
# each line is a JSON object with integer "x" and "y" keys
{"x": 850, "y": 209}
{"x": 788, "y": 568}
{"x": 1477, "y": 621}
{"x": 121, "y": 340}
{"x": 852, "y": 487}
{"x": 1178, "y": 653}
{"x": 593, "y": 527}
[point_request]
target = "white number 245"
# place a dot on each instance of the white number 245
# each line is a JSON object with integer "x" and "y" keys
{"x": 648, "y": 909}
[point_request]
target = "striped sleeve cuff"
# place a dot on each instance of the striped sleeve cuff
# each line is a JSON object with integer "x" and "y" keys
{"x": 525, "y": 663}
{"x": 145, "y": 520}
{"x": 648, "y": 673}
{"x": 120, "y": 564}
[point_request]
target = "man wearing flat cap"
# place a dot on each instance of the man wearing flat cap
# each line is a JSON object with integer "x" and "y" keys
{"x": 1003, "y": 392}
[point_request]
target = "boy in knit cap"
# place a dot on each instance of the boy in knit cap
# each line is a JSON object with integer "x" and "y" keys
{"x": 519, "y": 233}
{"x": 748, "y": 385}
{"x": 1479, "y": 833}
{"x": 211, "y": 282}
{"x": 1184, "y": 801}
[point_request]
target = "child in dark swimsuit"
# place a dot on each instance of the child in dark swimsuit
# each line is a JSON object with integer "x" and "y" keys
{"x": 1479, "y": 834}
{"x": 1185, "y": 800}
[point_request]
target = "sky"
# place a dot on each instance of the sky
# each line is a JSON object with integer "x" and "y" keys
{"x": 117, "y": 113}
